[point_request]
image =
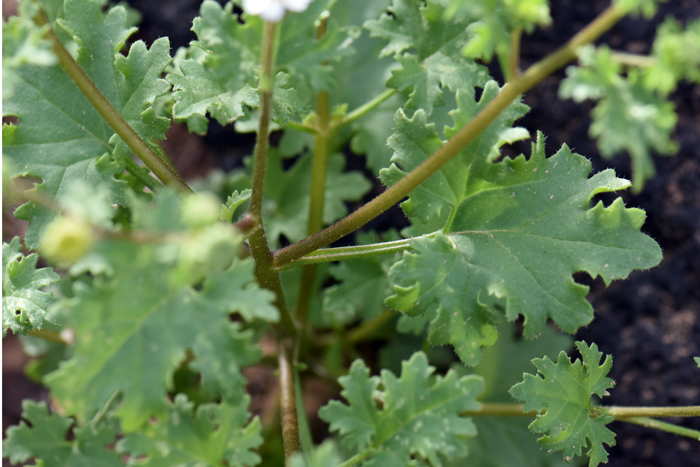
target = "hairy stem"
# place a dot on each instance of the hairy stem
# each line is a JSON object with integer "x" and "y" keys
{"x": 327, "y": 255}
{"x": 133, "y": 169}
{"x": 663, "y": 426}
{"x": 364, "y": 109}
{"x": 454, "y": 145}
{"x": 632, "y": 412}
{"x": 290, "y": 426}
{"x": 514, "y": 55}
{"x": 267, "y": 276}
{"x": 132, "y": 139}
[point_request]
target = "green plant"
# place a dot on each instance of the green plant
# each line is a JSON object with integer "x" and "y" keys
{"x": 164, "y": 296}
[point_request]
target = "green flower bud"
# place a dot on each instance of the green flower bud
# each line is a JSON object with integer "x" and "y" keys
{"x": 67, "y": 240}
{"x": 201, "y": 211}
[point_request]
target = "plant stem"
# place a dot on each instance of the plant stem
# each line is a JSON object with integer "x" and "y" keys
{"x": 364, "y": 109}
{"x": 267, "y": 276}
{"x": 327, "y": 255}
{"x": 51, "y": 336}
{"x": 132, "y": 139}
{"x": 319, "y": 170}
{"x": 663, "y": 426}
{"x": 288, "y": 409}
{"x": 514, "y": 55}
{"x": 300, "y": 127}
{"x": 133, "y": 169}
{"x": 454, "y": 145}
{"x": 100, "y": 415}
{"x": 635, "y": 60}
{"x": 621, "y": 413}
{"x": 357, "y": 458}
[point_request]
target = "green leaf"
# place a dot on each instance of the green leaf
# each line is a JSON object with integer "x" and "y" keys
{"x": 496, "y": 20}
{"x": 210, "y": 435}
{"x": 24, "y": 306}
{"x": 628, "y": 117}
{"x": 506, "y": 441}
{"x": 645, "y": 7}
{"x": 420, "y": 414}
{"x": 362, "y": 286}
{"x": 564, "y": 390}
{"x": 697, "y": 360}
{"x": 61, "y": 138}
{"x": 234, "y": 200}
{"x": 46, "y": 440}
{"x": 523, "y": 229}
{"x": 325, "y": 455}
{"x": 23, "y": 42}
{"x": 223, "y": 81}
{"x": 414, "y": 140}
{"x": 677, "y": 56}
{"x": 433, "y": 60}
{"x": 147, "y": 323}
{"x": 287, "y": 195}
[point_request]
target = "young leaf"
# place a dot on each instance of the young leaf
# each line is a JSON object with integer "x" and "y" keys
{"x": 325, "y": 455}
{"x": 564, "y": 390}
{"x": 509, "y": 240}
{"x": 420, "y": 413}
{"x": 234, "y": 200}
{"x": 697, "y": 360}
{"x": 414, "y": 140}
{"x": 148, "y": 320}
{"x": 627, "y": 117}
{"x": 209, "y": 436}
{"x": 677, "y": 56}
{"x": 433, "y": 60}
{"x": 645, "y": 7}
{"x": 24, "y": 306}
{"x": 496, "y": 21}
{"x": 46, "y": 440}
{"x": 61, "y": 138}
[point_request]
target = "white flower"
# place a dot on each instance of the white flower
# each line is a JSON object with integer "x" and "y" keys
{"x": 273, "y": 10}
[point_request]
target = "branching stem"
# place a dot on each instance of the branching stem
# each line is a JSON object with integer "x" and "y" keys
{"x": 451, "y": 148}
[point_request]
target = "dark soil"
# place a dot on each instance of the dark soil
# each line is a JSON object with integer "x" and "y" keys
{"x": 650, "y": 322}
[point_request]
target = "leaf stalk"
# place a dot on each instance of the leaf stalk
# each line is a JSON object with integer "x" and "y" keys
{"x": 132, "y": 139}
{"x": 454, "y": 145}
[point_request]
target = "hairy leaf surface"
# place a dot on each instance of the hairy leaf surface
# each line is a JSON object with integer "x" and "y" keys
{"x": 46, "y": 440}
{"x": 24, "y": 306}
{"x": 521, "y": 232}
{"x": 420, "y": 413}
{"x": 564, "y": 390}
{"x": 210, "y": 435}
{"x": 61, "y": 138}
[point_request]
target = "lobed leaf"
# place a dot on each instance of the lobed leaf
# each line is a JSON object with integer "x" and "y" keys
{"x": 148, "y": 320}
{"x": 628, "y": 117}
{"x": 24, "y": 306}
{"x": 223, "y": 82}
{"x": 564, "y": 390}
{"x": 521, "y": 232}
{"x": 61, "y": 138}
{"x": 431, "y": 56}
{"x": 210, "y": 435}
{"x": 45, "y": 440}
{"x": 677, "y": 56}
{"x": 420, "y": 415}
{"x": 414, "y": 140}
